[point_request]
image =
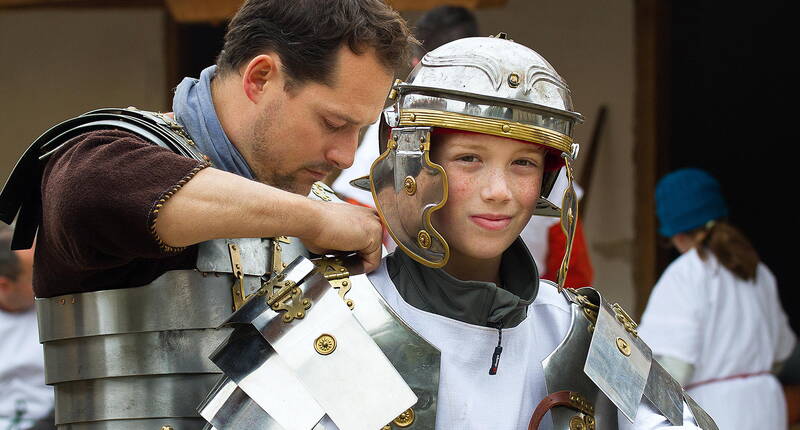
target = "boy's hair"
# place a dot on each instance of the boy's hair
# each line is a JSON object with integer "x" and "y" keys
{"x": 307, "y": 35}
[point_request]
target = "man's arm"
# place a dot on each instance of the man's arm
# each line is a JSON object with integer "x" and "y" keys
{"x": 221, "y": 204}
{"x": 109, "y": 198}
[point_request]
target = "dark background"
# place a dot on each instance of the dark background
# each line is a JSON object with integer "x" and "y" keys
{"x": 730, "y": 90}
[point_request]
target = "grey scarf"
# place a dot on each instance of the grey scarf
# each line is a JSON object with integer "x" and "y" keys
{"x": 194, "y": 110}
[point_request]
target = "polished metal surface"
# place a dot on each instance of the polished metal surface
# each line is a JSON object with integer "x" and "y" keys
{"x": 482, "y": 66}
{"x": 148, "y": 353}
{"x": 247, "y": 360}
{"x": 665, "y": 394}
{"x": 213, "y": 256}
{"x": 417, "y": 360}
{"x": 136, "y": 397}
{"x": 408, "y": 215}
{"x": 228, "y": 407}
{"x": 621, "y": 377}
{"x": 562, "y": 369}
{"x": 355, "y": 385}
{"x": 139, "y": 424}
{"x": 700, "y": 416}
{"x": 181, "y": 299}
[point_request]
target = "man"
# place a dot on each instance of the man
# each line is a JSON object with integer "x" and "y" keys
{"x": 26, "y": 398}
{"x": 129, "y": 300}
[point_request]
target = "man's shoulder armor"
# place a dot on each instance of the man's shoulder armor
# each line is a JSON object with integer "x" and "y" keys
{"x": 20, "y": 196}
{"x": 617, "y": 365}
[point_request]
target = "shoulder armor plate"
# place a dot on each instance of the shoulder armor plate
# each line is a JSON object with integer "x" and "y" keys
{"x": 617, "y": 362}
{"x": 21, "y": 198}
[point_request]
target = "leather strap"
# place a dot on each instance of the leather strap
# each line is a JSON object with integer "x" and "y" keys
{"x": 559, "y": 398}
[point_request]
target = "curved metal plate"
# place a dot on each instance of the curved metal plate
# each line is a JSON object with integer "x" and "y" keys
{"x": 149, "y": 353}
{"x": 407, "y": 214}
{"x": 621, "y": 376}
{"x": 134, "y": 397}
{"x": 179, "y": 299}
{"x": 665, "y": 394}
{"x": 560, "y": 370}
{"x": 415, "y": 359}
{"x": 703, "y": 419}
{"x": 153, "y": 423}
{"x": 214, "y": 256}
{"x": 229, "y": 407}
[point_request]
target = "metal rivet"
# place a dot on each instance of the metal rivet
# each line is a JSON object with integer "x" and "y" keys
{"x": 623, "y": 347}
{"x": 325, "y": 344}
{"x": 62, "y": 301}
{"x": 576, "y": 423}
{"x": 513, "y": 80}
{"x": 424, "y": 239}
{"x": 405, "y": 419}
{"x": 166, "y": 428}
{"x": 410, "y": 185}
{"x": 506, "y": 128}
{"x": 345, "y": 283}
{"x": 413, "y": 117}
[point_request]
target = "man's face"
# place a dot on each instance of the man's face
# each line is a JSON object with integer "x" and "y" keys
{"x": 16, "y": 295}
{"x": 306, "y": 132}
{"x": 494, "y": 184}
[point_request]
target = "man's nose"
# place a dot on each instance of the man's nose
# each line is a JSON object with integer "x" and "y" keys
{"x": 342, "y": 151}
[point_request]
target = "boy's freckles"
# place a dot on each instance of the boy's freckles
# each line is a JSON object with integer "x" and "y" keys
{"x": 494, "y": 183}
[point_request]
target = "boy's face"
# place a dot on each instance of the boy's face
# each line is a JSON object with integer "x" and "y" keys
{"x": 494, "y": 184}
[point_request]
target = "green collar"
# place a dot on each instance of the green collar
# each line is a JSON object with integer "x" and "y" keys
{"x": 473, "y": 302}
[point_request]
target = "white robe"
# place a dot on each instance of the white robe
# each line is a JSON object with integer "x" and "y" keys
{"x": 470, "y": 398}
{"x": 24, "y": 398}
{"x": 701, "y": 314}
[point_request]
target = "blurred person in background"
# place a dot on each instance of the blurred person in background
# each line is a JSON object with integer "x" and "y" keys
{"x": 24, "y": 398}
{"x": 714, "y": 319}
{"x": 543, "y": 235}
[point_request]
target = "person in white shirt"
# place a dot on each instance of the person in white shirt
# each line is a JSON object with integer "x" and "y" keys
{"x": 714, "y": 319}
{"x": 24, "y": 397}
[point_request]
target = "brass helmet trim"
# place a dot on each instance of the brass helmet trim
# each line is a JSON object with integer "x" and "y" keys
{"x": 413, "y": 142}
{"x": 496, "y": 127}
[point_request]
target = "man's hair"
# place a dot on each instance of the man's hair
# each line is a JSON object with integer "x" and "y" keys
{"x": 9, "y": 263}
{"x": 445, "y": 24}
{"x": 307, "y": 35}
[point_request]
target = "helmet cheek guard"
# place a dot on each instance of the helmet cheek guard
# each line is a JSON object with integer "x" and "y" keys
{"x": 488, "y": 85}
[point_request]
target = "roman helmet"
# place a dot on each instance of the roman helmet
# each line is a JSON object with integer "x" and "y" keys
{"x": 488, "y": 85}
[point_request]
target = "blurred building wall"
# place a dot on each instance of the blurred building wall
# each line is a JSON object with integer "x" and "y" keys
{"x": 58, "y": 63}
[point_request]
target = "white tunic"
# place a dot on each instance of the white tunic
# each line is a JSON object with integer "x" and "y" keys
{"x": 702, "y": 314}
{"x": 471, "y": 399}
{"x": 24, "y": 398}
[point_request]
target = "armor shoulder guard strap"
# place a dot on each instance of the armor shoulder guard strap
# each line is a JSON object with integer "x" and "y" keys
{"x": 621, "y": 364}
{"x": 21, "y": 197}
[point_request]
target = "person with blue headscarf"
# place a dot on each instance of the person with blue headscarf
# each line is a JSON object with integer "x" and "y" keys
{"x": 714, "y": 319}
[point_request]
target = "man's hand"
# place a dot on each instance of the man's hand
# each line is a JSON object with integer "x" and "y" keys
{"x": 342, "y": 227}
{"x": 216, "y": 204}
